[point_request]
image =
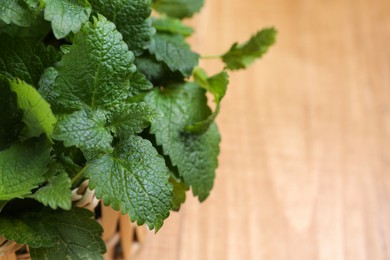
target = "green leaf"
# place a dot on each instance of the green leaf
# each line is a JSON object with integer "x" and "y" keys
{"x": 134, "y": 179}
{"x": 22, "y": 169}
{"x": 35, "y": 32}
{"x": 242, "y": 55}
{"x": 171, "y": 25}
{"x": 217, "y": 85}
{"x": 130, "y": 18}
{"x": 56, "y": 193}
{"x": 178, "y": 8}
{"x": 174, "y": 52}
{"x": 15, "y": 11}
{"x": 85, "y": 130}
{"x": 55, "y": 234}
{"x": 156, "y": 72}
{"x": 37, "y": 114}
{"x": 179, "y": 193}
{"x": 67, "y": 15}
{"x": 96, "y": 71}
{"x": 129, "y": 119}
{"x": 194, "y": 155}
{"x": 139, "y": 84}
{"x": 23, "y": 60}
{"x": 11, "y": 120}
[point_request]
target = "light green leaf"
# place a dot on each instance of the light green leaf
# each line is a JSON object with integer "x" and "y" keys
{"x": 242, "y": 55}
{"x": 131, "y": 20}
{"x": 129, "y": 119}
{"x": 22, "y": 169}
{"x": 37, "y": 114}
{"x": 171, "y": 25}
{"x": 57, "y": 193}
{"x": 178, "y": 8}
{"x": 194, "y": 155}
{"x": 174, "y": 52}
{"x": 55, "y": 234}
{"x": 85, "y": 130}
{"x": 15, "y": 11}
{"x": 96, "y": 71}
{"x": 23, "y": 60}
{"x": 67, "y": 15}
{"x": 134, "y": 179}
{"x": 217, "y": 85}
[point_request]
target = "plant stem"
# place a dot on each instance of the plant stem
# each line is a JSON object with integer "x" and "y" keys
{"x": 211, "y": 57}
{"x": 79, "y": 175}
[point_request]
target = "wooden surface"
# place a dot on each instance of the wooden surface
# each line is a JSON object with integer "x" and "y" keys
{"x": 305, "y": 162}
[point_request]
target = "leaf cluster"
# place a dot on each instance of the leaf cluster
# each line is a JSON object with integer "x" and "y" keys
{"x": 100, "y": 90}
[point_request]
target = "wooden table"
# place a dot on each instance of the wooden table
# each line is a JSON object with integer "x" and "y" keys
{"x": 305, "y": 163}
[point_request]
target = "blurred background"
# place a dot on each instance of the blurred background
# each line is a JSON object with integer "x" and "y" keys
{"x": 305, "y": 158}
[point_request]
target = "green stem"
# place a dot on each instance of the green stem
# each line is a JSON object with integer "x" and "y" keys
{"x": 211, "y": 57}
{"x": 79, "y": 175}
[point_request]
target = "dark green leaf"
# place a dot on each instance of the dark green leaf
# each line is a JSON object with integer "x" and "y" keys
{"x": 174, "y": 52}
{"x": 139, "y": 84}
{"x": 67, "y": 15}
{"x": 130, "y": 18}
{"x": 134, "y": 179}
{"x": 179, "y": 193}
{"x": 129, "y": 119}
{"x": 10, "y": 123}
{"x": 22, "y": 169}
{"x": 178, "y": 8}
{"x": 157, "y": 72}
{"x": 96, "y": 71}
{"x": 56, "y": 193}
{"x": 55, "y": 234}
{"x": 242, "y": 55}
{"x": 85, "y": 130}
{"x": 23, "y": 60}
{"x": 217, "y": 85}
{"x": 37, "y": 31}
{"x": 194, "y": 155}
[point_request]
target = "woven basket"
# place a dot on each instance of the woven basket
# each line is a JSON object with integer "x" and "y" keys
{"x": 123, "y": 239}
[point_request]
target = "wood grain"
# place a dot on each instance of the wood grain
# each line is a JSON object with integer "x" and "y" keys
{"x": 305, "y": 161}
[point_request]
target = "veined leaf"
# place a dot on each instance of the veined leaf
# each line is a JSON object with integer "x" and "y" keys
{"x": 217, "y": 85}
{"x": 174, "y": 52}
{"x": 85, "y": 130}
{"x": 67, "y": 15}
{"x": 129, "y": 119}
{"x": 131, "y": 19}
{"x": 55, "y": 234}
{"x": 242, "y": 55}
{"x": 15, "y": 11}
{"x": 56, "y": 193}
{"x": 134, "y": 180}
{"x": 194, "y": 155}
{"x": 95, "y": 72}
{"x": 22, "y": 169}
{"x": 23, "y": 60}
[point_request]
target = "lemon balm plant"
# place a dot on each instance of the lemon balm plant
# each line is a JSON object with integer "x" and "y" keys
{"x": 100, "y": 90}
